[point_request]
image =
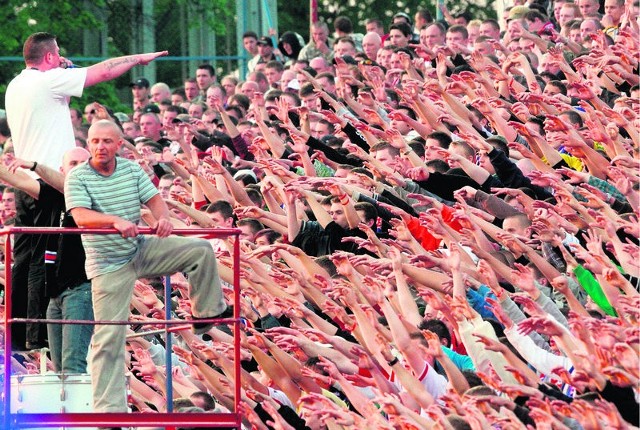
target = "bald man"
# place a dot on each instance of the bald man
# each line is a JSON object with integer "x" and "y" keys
{"x": 107, "y": 192}
{"x": 371, "y": 43}
{"x": 67, "y": 286}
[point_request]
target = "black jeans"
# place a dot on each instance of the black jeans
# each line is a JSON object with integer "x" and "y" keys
{"x": 28, "y": 289}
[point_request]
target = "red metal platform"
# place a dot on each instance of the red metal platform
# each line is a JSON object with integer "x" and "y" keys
{"x": 168, "y": 419}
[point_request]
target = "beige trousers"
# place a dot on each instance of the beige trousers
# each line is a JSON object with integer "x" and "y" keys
{"x": 112, "y": 296}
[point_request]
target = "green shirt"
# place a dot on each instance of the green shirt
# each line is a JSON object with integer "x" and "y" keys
{"x": 593, "y": 289}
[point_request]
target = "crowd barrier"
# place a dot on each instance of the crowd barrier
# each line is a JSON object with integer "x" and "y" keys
{"x": 15, "y": 417}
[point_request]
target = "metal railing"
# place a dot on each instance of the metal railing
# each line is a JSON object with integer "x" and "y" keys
{"x": 167, "y": 419}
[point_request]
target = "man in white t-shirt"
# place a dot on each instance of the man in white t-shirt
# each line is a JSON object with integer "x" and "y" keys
{"x": 37, "y": 104}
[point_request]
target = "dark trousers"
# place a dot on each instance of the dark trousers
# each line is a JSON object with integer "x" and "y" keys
{"x": 28, "y": 289}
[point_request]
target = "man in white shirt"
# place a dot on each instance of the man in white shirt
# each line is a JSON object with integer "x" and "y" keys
{"x": 37, "y": 104}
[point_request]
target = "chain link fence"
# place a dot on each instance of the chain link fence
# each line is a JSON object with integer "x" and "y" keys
{"x": 193, "y": 31}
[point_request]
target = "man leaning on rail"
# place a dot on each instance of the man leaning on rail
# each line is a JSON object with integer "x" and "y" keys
{"x": 107, "y": 192}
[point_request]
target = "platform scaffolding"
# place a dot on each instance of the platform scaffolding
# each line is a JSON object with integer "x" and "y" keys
{"x": 169, "y": 419}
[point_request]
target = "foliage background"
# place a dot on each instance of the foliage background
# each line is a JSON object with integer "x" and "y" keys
{"x": 72, "y": 20}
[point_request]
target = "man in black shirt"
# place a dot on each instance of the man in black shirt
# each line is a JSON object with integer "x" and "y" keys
{"x": 66, "y": 282}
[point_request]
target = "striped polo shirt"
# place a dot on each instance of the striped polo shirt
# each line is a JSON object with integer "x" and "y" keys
{"x": 119, "y": 194}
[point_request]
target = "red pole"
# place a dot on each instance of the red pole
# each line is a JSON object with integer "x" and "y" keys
{"x": 236, "y": 325}
{"x": 313, "y": 12}
{"x": 117, "y": 419}
{"x": 7, "y": 330}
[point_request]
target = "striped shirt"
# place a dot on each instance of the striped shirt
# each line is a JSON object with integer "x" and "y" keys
{"x": 119, "y": 194}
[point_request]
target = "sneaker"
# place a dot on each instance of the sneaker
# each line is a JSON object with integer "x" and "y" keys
{"x": 35, "y": 345}
{"x": 200, "y": 328}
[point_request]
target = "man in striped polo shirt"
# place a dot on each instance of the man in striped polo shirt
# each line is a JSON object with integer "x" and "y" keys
{"x": 107, "y": 192}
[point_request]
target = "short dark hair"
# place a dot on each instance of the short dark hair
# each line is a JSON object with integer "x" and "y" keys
{"x": 270, "y": 234}
{"x": 345, "y": 39}
{"x": 493, "y": 23}
{"x": 240, "y": 99}
{"x": 252, "y": 34}
{"x": 403, "y": 27}
{"x": 466, "y": 15}
{"x": 328, "y": 265}
{"x": 208, "y": 67}
{"x": 438, "y": 165}
{"x": 442, "y": 28}
{"x": 343, "y": 24}
{"x": 370, "y": 211}
{"x": 272, "y": 95}
{"x": 221, "y": 206}
{"x": 329, "y": 76}
{"x": 438, "y": 327}
{"x": 410, "y": 112}
{"x": 459, "y": 29}
{"x": 559, "y": 85}
{"x": 306, "y": 89}
{"x": 36, "y": 46}
{"x": 174, "y": 108}
{"x": 382, "y": 145}
{"x": 255, "y": 225}
{"x": 532, "y": 15}
{"x": 425, "y": 14}
{"x": 444, "y": 140}
{"x": 574, "y": 117}
{"x": 208, "y": 401}
{"x": 417, "y": 145}
{"x": 359, "y": 170}
{"x": 375, "y": 21}
{"x": 275, "y": 64}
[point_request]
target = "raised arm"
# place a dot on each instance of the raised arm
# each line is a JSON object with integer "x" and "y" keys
{"x": 21, "y": 180}
{"x": 114, "y": 67}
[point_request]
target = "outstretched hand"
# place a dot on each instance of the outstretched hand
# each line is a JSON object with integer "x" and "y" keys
{"x": 145, "y": 59}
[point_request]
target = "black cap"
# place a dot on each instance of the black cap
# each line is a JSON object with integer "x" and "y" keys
{"x": 140, "y": 82}
{"x": 403, "y": 15}
{"x": 347, "y": 59}
{"x": 151, "y": 108}
{"x": 264, "y": 40}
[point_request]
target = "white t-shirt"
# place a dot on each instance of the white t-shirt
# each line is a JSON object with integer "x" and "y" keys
{"x": 37, "y": 105}
{"x": 432, "y": 381}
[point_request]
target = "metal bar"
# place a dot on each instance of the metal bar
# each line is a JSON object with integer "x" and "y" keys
{"x": 217, "y": 232}
{"x": 167, "y": 343}
{"x": 102, "y": 419}
{"x": 107, "y": 322}
{"x": 159, "y": 331}
{"x": 236, "y": 326}
{"x": 167, "y": 58}
{"x": 6, "y": 387}
{"x": 118, "y": 419}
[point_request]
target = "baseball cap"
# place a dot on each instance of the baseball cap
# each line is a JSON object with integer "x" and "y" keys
{"x": 403, "y": 15}
{"x": 497, "y": 138}
{"x": 183, "y": 117}
{"x": 348, "y": 59}
{"x": 243, "y": 172}
{"x": 151, "y": 108}
{"x": 264, "y": 40}
{"x": 140, "y": 82}
{"x": 122, "y": 117}
{"x": 293, "y": 84}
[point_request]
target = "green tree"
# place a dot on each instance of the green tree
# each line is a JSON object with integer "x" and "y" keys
{"x": 18, "y": 19}
{"x": 69, "y": 19}
{"x": 294, "y": 15}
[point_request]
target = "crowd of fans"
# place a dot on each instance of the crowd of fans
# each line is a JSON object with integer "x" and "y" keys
{"x": 439, "y": 224}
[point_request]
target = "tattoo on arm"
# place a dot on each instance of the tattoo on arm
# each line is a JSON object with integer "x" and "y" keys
{"x": 115, "y": 63}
